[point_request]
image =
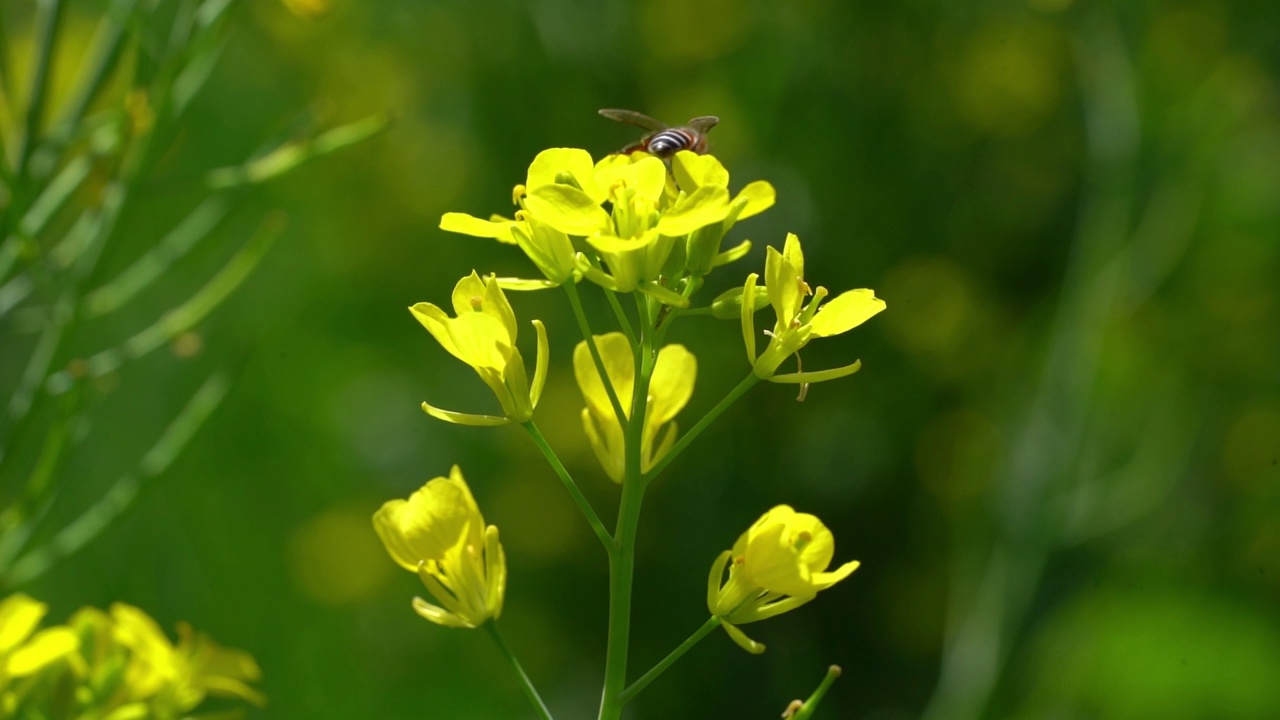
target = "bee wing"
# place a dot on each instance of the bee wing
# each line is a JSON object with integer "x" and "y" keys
{"x": 631, "y": 117}
{"x": 703, "y": 123}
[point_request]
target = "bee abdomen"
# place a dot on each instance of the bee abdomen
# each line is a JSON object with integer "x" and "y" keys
{"x": 668, "y": 142}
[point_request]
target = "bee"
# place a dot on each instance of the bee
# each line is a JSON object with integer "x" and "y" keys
{"x": 663, "y": 140}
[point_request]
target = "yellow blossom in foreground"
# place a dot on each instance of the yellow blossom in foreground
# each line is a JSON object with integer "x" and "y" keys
{"x": 670, "y": 388}
{"x": 798, "y": 322}
{"x": 777, "y": 565}
{"x": 640, "y": 226}
{"x": 483, "y": 335}
{"x": 439, "y": 533}
{"x": 24, "y": 651}
{"x": 117, "y": 665}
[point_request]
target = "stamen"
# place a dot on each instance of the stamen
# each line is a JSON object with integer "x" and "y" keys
{"x": 477, "y": 303}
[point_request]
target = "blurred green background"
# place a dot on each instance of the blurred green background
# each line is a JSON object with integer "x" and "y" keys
{"x": 1059, "y": 466}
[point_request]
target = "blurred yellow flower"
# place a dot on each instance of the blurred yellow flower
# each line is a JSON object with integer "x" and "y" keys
{"x": 119, "y": 665}
{"x": 777, "y": 565}
{"x": 670, "y": 388}
{"x": 439, "y": 533}
{"x": 23, "y": 650}
{"x": 483, "y": 335}
{"x": 797, "y": 322}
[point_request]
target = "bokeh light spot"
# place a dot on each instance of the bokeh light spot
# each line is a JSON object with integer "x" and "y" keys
{"x": 335, "y": 558}
{"x": 684, "y": 31}
{"x": 1251, "y": 450}
{"x": 956, "y": 452}
{"x": 1010, "y": 78}
{"x": 932, "y": 304}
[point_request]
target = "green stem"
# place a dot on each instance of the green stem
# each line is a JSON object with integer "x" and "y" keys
{"x": 622, "y": 562}
{"x": 696, "y": 430}
{"x": 48, "y": 21}
{"x": 621, "y": 315}
{"x": 583, "y": 504}
{"x": 572, "y": 291}
{"x": 529, "y": 690}
{"x": 712, "y": 623}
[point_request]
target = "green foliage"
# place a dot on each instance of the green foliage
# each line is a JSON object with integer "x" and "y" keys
{"x": 1070, "y": 207}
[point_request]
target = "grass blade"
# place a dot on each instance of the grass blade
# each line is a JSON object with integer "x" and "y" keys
{"x": 124, "y": 491}
{"x": 185, "y": 316}
{"x": 55, "y": 195}
{"x": 173, "y": 246}
{"x": 293, "y": 154}
{"x": 48, "y": 21}
{"x": 107, "y": 44}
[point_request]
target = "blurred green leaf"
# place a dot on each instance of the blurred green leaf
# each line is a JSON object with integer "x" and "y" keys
{"x": 291, "y": 155}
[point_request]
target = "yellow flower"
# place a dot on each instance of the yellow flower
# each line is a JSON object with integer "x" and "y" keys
{"x": 630, "y": 215}
{"x": 670, "y": 387}
{"x": 176, "y": 679}
{"x": 549, "y": 248}
{"x": 440, "y": 534}
{"x": 777, "y": 565}
{"x": 23, "y": 650}
{"x": 797, "y": 322}
{"x": 697, "y": 173}
{"x": 115, "y": 666}
{"x": 483, "y": 335}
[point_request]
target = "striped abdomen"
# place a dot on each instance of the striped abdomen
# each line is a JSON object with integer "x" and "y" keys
{"x": 666, "y": 143}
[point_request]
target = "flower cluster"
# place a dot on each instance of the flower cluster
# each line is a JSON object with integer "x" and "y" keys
{"x": 116, "y": 664}
{"x": 629, "y": 224}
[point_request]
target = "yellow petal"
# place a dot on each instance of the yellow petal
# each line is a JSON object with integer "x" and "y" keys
{"x": 824, "y": 580}
{"x": 647, "y": 177}
{"x": 760, "y": 196}
{"x": 20, "y": 614}
{"x": 461, "y": 418}
{"x": 439, "y": 615}
{"x": 615, "y": 352}
{"x": 748, "y": 318}
{"x": 540, "y": 363}
{"x": 736, "y": 252}
{"x": 434, "y": 519}
{"x": 698, "y": 209}
{"x": 45, "y": 648}
{"x": 693, "y": 171}
{"x": 465, "y": 224}
{"x": 794, "y": 255}
{"x": 741, "y": 638}
{"x": 555, "y": 163}
{"x": 671, "y": 385}
{"x": 785, "y": 283}
{"x": 525, "y": 284}
{"x": 567, "y": 209}
{"x": 847, "y": 311}
{"x": 714, "y": 578}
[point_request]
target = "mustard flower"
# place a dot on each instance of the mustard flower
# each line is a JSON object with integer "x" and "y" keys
{"x": 483, "y": 335}
{"x": 798, "y": 322}
{"x": 627, "y": 212}
{"x": 670, "y": 387}
{"x": 777, "y": 565}
{"x": 24, "y": 651}
{"x": 696, "y": 173}
{"x": 119, "y": 665}
{"x": 440, "y": 534}
{"x": 176, "y": 679}
{"x": 549, "y": 248}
